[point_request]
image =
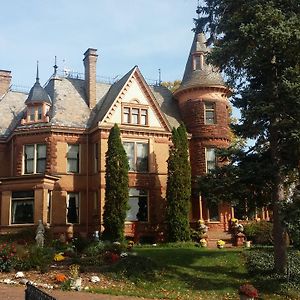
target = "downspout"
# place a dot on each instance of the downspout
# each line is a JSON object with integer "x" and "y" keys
{"x": 87, "y": 185}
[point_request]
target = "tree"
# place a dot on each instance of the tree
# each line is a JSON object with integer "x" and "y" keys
{"x": 116, "y": 189}
{"x": 257, "y": 46}
{"x": 178, "y": 187}
{"x": 171, "y": 85}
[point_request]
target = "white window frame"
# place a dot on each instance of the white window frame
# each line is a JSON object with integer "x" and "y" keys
{"x": 209, "y": 107}
{"x": 34, "y": 159}
{"x": 140, "y": 118}
{"x": 73, "y": 159}
{"x": 134, "y": 166}
{"x": 207, "y": 162}
{"x": 77, "y": 206}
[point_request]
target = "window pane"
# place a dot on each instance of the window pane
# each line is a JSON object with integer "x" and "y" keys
{"x": 31, "y": 114}
{"x": 41, "y": 159}
{"x": 73, "y": 208}
{"x": 135, "y": 116}
{"x": 209, "y": 113}
{"x": 138, "y": 203}
{"x": 126, "y": 114}
{"x": 129, "y": 149}
{"x": 197, "y": 62}
{"x": 73, "y": 159}
{"x": 22, "y": 211}
{"x": 210, "y": 159}
{"x": 142, "y": 157}
{"x": 39, "y": 113}
{"x": 41, "y": 151}
{"x": 214, "y": 212}
{"x": 143, "y": 116}
{"x": 29, "y": 159}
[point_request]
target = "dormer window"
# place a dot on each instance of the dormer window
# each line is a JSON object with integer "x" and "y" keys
{"x": 31, "y": 113}
{"x": 39, "y": 113}
{"x": 198, "y": 61}
{"x": 135, "y": 114}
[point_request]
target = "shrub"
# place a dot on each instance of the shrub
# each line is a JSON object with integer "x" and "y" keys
{"x": 259, "y": 261}
{"x": 259, "y": 232}
{"x": 7, "y": 257}
{"x": 40, "y": 258}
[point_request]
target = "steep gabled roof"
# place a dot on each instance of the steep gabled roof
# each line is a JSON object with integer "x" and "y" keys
{"x": 103, "y": 107}
{"x": 119, "y": 88}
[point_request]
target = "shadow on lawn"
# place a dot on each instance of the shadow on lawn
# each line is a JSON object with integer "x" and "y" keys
{"x": 200, "y": 270}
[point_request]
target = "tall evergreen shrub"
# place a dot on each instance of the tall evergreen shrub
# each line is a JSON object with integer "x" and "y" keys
{"x": 116, "y": 189}
{"x": 178, "y": 187}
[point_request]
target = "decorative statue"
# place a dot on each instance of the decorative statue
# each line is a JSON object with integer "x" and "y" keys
{"x": 40, "y": 232}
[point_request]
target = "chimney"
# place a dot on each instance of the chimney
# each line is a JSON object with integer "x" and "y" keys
{"x": 89, "y": 61}
{"x": 5, "y": 80}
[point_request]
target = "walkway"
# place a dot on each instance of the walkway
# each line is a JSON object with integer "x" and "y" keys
{"x": 8, "y": 292}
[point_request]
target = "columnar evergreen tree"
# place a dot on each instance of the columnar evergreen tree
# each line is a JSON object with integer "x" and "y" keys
{"x": 257, "y": 46}
{"x": 178, "y": 187}
{"x": 116, "y": 189}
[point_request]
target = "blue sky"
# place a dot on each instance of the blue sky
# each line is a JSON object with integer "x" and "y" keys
{"x": 151, "y": 34}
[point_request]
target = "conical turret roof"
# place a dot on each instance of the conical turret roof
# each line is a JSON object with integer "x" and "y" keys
{"x": 37, "y": 93}
{"x": 207, "y": 75}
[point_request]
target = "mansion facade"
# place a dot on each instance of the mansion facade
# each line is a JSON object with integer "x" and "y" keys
{"x": 53, "y": 143}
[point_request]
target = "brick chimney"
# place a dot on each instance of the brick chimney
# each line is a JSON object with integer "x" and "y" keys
{"x": 89, "y": 61}
{"x": 5, "y": 80}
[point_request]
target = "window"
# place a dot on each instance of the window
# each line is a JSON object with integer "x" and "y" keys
{"x": 49, "y": 204}
{"x": 31, "y": 113}
{"x": 135, "y": 115}
{"x": 96, "y": 155}
{"x": 138, "y": 203}
{"x": 34, "y": 158}
{"x": 39, "y": 111}
{"x": 22, "y": 207}
{"x": 209, "y": 109}
{"x": 73, "y": 159}
{"x": 210, "y": 159}
{"x": 197, "y": 62}
{"x": 137, "y": 154}
{"x": 213, "y": 212}
{"x": 73, "y": 208}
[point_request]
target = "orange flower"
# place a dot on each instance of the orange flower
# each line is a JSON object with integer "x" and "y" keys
{"x": 60, "y": 277}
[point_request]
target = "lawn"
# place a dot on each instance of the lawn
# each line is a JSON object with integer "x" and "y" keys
{"x": 188, "y": 273}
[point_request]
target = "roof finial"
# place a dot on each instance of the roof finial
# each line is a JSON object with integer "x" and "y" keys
{"x": 55, "y": 67}
{"x": 37, "y": 71}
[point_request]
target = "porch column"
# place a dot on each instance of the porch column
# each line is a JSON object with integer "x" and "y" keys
{"x": 40, "y": 205}
{"x": 200, "y": 207}
{"x": 5, "y": 208}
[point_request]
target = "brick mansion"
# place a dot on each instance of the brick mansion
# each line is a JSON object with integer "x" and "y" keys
{"x": 53, "y": 142}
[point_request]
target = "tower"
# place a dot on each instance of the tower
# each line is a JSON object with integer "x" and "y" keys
{"x": 38, "y": 103}
{"x": 203, "y": 103}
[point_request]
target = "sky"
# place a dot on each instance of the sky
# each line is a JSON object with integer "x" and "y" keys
{"x": 151, "y": 34}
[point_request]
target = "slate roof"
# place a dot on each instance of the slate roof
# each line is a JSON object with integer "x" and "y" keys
{"x": 69, "y": 108}
{"x": 38, "y": 94}
{"x": 208, "y": 75}
{"x": 11, "y": 111}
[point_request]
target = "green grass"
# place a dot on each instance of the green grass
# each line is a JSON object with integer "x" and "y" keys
{"x": 188, "y": 273}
